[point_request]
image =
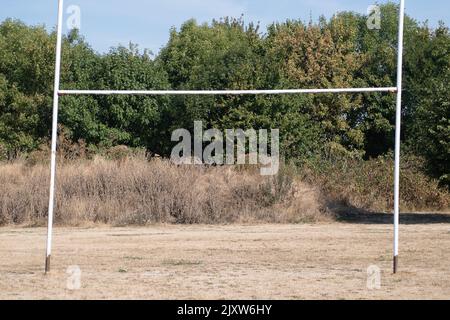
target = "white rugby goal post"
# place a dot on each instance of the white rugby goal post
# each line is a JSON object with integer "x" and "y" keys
{"x": 58, "y": 92}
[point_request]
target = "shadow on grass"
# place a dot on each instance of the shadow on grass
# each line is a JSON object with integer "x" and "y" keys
{"x": 358, "y": 216}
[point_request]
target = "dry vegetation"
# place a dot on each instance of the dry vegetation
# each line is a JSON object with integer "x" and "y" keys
{"x": 138, "y": 192}
{"x": 368, "y": 185}
{"x": 251, "y": 259}
{"x": 123, "y": 187}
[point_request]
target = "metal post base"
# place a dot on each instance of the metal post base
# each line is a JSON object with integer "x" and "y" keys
{"x": 395, "y": 264}
{"x": 47, "y": 264}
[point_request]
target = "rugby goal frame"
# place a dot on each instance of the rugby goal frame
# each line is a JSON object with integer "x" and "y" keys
{"x": 57, "y": 93}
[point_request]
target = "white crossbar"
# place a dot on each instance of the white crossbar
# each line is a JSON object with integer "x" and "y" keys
{"x": 223, "y": 92}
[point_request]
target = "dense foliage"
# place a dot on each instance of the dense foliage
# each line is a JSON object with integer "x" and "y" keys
{"x": 230, "y": 54}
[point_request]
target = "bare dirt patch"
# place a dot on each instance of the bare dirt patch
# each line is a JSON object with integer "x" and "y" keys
{"x": 323, "y": 261}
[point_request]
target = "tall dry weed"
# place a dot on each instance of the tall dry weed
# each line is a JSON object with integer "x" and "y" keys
{"x": 135, "y": 191}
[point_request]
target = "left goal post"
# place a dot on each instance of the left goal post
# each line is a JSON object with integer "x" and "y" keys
{"x": 51, "y": 204}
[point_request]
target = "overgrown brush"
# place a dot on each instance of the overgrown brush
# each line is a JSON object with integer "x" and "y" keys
{"x": 368, "y": 185}
{"x": 135, "y": 191}
{"x": 123, "y": 187}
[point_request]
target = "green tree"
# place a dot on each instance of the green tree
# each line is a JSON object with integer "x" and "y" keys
{"x": 228, "y": 54}
{"x": 26, "y": 70}
{"x": 319, "y": 55}
{"x": 131, "y": 120}
{"x": 19, "y": 119}
{"x": 428, "y": 127}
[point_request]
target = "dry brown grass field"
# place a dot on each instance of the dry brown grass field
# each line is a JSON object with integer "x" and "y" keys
{"x": 309, "y": 261}
{"x": 140, "y": 229}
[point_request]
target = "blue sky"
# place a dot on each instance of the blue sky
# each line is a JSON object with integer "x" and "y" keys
{"x": 107, "y": 23}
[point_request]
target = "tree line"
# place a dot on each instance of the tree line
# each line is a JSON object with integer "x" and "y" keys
{"x": 231, "y": 54}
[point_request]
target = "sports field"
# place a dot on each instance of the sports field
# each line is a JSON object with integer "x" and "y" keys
{"x": 322, "y": 261}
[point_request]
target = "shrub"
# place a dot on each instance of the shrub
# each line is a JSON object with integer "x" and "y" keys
{"x": 368, "y": 185}
{"x": 139, "y": 192}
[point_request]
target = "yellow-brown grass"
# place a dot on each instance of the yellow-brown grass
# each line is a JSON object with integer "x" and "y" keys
{"x": 135, "y": 191}
{"x": 125, "y": 188}
{"x": 368, "y": 185}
